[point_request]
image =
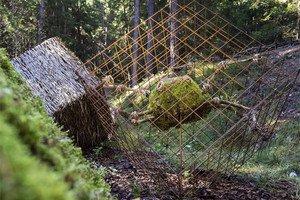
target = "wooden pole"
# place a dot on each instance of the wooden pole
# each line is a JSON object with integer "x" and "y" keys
{"x": 181, "y": 167}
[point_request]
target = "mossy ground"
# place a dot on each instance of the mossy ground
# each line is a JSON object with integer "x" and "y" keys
{"x": 175, "y": 98}
{"x": 38, "y": 160}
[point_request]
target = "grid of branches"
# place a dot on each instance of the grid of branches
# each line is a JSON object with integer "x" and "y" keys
{"x": 187, "y": 98}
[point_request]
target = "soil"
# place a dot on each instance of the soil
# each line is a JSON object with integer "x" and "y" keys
{"x": 129, "y": 181}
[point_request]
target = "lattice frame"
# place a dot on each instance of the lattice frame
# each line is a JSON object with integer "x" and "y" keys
{"x": 206, "y": 51}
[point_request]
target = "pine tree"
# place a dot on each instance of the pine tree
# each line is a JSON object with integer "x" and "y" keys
{"x": 41, "y": 21}
{"x": 150, "y": 38}
{"x": 298, "y": 22}
{"x": 135, "y": 49}
{"x": 173, "y": 32}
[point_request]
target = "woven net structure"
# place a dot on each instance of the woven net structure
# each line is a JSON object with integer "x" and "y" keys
{"x": 187, "y": 96}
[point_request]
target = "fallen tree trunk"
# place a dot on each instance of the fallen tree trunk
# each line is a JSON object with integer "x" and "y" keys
{"x": 55, "y": 75}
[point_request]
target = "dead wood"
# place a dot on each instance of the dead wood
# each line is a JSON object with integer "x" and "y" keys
{"x": 54, "y": 74}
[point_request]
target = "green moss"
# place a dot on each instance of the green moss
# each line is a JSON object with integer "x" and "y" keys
{"x": 22, "y": 176}
{"x": 7, "y": 68}
{"x": 38, "y": 160}
{"x": 139, "y": 100}
{"x": 175, "y": 98}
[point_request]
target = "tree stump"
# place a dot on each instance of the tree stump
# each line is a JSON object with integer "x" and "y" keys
{"x": 56, "y": 75}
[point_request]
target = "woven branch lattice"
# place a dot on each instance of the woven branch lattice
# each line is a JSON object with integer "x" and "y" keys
{"x": 201, "y": 106}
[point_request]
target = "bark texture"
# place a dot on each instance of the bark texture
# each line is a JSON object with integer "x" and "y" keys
{"x": 150, "y": 38}
{"x": 56, "y": 75}
{"x": 41, "y": 22}
{"x": 173, "y": 33}
{"x": 298, "y": 22}
{"x": 135, "y": 48}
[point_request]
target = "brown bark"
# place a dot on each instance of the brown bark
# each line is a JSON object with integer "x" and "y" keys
{"x": 41, "y": 21}
{"x": 135, "y": 48}
{"x": 150, "y": 37}
{"x": 56, "y": 75}
{"x": 298, "y": 23}
{"x": 173, "y": 34}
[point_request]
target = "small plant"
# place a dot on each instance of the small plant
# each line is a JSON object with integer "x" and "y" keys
{"x": 136, "y": 190}
{"x": 98, "y": 151}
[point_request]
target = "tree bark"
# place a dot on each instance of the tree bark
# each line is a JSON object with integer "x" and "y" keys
{"x": 41, "y": 21}
{"x": 150, "y": 37}
{"x": 298, "y": 23}
{"x": 136, "y": 22}
{"x": 173, "y": 33}
{"x": 68, "y": 91}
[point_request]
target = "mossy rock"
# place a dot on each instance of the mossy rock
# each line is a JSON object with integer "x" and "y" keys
{"x": 175, "y": 99}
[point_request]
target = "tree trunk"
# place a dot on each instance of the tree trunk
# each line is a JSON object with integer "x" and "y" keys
{"x": 68, "y": 91}
{"x": 64, "y": 21}
{"x": 41, "y": 21}
{"x": 173, "y": 34}
{"x": 150, "y": 53}
{"x": 298, "y": 23}
{"x": 136, "y": 22}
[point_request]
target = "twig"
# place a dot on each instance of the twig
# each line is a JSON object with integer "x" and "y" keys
{"x": 237, "y": 105}
{"x": 139, "y": 121}
{"x": 124, "y": 88}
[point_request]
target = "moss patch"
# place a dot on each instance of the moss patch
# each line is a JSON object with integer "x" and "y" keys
{"x": 37, "y": 159}
{"x": 174, "y": 99}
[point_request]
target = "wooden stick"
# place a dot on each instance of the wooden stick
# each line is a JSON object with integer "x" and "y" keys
{"x": 237, "y": 105}
{"x": 139, "y": 121}
{"x": 122, "y": 88}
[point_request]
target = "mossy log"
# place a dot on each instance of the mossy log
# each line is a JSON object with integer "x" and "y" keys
{"x": 178, "y": 99}
{"x": 55, "y": 74}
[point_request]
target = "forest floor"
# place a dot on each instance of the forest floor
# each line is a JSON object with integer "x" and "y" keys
{"x": 290, "y": 65}
{"x": 128, "y": 181}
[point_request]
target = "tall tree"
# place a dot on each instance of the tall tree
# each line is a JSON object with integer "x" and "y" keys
{"x": 173, "y": 32}
{"x": 41, "y": 21}
{"x": 298, "y": 22}
{"x": 18, "y": 25}
{"x": 150, "y": 37}
{"x": 135, "y": 49}
{"x": 77, "y": 23}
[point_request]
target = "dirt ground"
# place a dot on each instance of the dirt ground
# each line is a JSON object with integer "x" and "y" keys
{"x": 130, "y": 182}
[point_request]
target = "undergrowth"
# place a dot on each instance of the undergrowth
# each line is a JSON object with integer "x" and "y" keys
{"x": 38, "y": 160}
{"x": 280, "y": 159}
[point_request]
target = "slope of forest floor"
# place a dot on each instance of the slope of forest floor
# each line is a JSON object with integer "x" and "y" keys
{"x": 33, "y": 150}
{"x": 37, "y": 159}
{"x": 271, "y": 174}
{"x": 280, "y": 161}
